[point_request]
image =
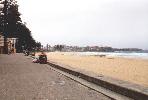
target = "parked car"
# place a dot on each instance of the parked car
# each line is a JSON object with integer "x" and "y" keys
{"x": 42, "y": 59}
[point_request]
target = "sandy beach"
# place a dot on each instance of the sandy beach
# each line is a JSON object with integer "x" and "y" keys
{"x": 127, "y": 69}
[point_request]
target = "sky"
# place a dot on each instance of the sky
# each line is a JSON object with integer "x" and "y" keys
{"x": 115, "y": 23}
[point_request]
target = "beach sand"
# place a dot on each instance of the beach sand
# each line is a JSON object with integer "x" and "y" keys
{"x": 127, "y": 69}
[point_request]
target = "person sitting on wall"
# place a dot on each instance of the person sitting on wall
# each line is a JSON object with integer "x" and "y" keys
{"x": 42, "y": 58}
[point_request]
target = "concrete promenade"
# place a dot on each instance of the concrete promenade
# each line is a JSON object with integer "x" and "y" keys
{"x": 20, "y": 79}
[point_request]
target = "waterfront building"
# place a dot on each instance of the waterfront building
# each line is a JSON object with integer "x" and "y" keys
{"x": 11, "y": 44}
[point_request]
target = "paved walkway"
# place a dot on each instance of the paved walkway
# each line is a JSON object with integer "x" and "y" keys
{"x": 20, "y": 79}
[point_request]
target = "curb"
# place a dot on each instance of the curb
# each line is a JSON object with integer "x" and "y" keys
{"x": 130, "y": 90}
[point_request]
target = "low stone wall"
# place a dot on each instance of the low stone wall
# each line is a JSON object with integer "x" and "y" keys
{"x": 134, "y": 91}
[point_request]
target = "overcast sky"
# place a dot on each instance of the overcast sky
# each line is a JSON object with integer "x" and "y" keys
{"x": 116, "y": 23}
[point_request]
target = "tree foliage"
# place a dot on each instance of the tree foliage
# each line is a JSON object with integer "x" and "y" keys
{"x": 38, "y": 46}
{"x": 10, "y": 17}
{"x": 58, "y": 47}
{"x": 24, "y": 38}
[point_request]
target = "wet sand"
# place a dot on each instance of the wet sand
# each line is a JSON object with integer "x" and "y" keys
{"x": 127, "y": 69}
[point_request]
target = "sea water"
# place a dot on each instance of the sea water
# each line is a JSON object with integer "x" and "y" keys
{"x": 115, "y": 54}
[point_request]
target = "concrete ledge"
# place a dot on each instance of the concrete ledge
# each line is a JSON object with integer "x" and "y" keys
{"x": 131, "y": 90}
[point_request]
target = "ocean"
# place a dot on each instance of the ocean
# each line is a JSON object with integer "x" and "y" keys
{"x": 115, "y": 54}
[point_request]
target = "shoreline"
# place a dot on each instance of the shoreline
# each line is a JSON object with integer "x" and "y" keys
{"x": 133, "y": 55}
{"x": 126, "y": 69}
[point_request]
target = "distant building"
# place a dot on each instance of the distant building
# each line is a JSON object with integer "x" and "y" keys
{"x": 1, "y": 43}
{"x": 11, "y": 44}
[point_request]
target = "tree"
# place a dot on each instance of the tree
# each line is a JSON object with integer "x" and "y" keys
{"x": 24, "y": 38}
{"x": 38, "y": 46}
{"x": 11, "y": 26}
{"x": 9, "y": 18}
{"x": 58, "y": 47}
